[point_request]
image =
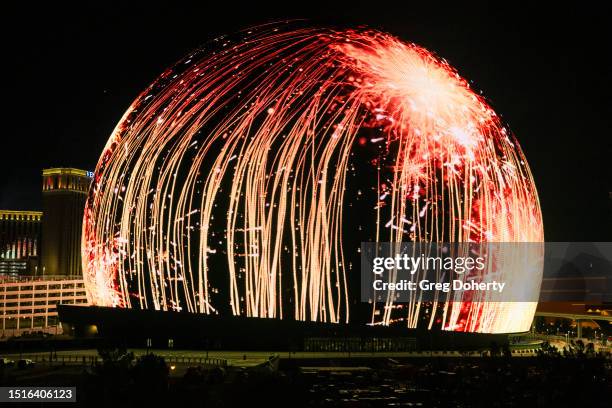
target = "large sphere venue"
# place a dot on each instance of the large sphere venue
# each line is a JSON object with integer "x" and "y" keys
{"x": 242, "y": 182}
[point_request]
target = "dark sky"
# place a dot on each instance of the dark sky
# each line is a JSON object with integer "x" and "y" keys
{"x": 71, "y": 72}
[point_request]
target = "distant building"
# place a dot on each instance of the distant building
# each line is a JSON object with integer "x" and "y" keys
{"x": 29, "y": 303}
{"x": 46, "y": 245}
{"x": 64, "y": 194}
{"x": 19, "y": 242}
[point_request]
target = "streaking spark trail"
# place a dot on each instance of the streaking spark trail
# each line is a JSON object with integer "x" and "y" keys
{"x": 242, "y": 181}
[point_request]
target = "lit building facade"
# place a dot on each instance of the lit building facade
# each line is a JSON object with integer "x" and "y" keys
{"x": 64, "y": 193}
{"x": 40, "y": 256}
{"x": 29, "y": 303}
{"x": 20, "y": 233}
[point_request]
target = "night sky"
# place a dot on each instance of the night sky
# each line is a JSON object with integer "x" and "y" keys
{"x": 72, "y": 72}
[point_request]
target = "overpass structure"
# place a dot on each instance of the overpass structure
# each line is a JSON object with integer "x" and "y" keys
{"x": 577, "y": 317}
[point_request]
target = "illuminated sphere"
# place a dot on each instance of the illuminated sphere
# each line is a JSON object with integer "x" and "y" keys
{"x": 242, "y": 181}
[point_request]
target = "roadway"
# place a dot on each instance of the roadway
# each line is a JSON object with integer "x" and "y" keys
{"x": 575, "y": 316}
